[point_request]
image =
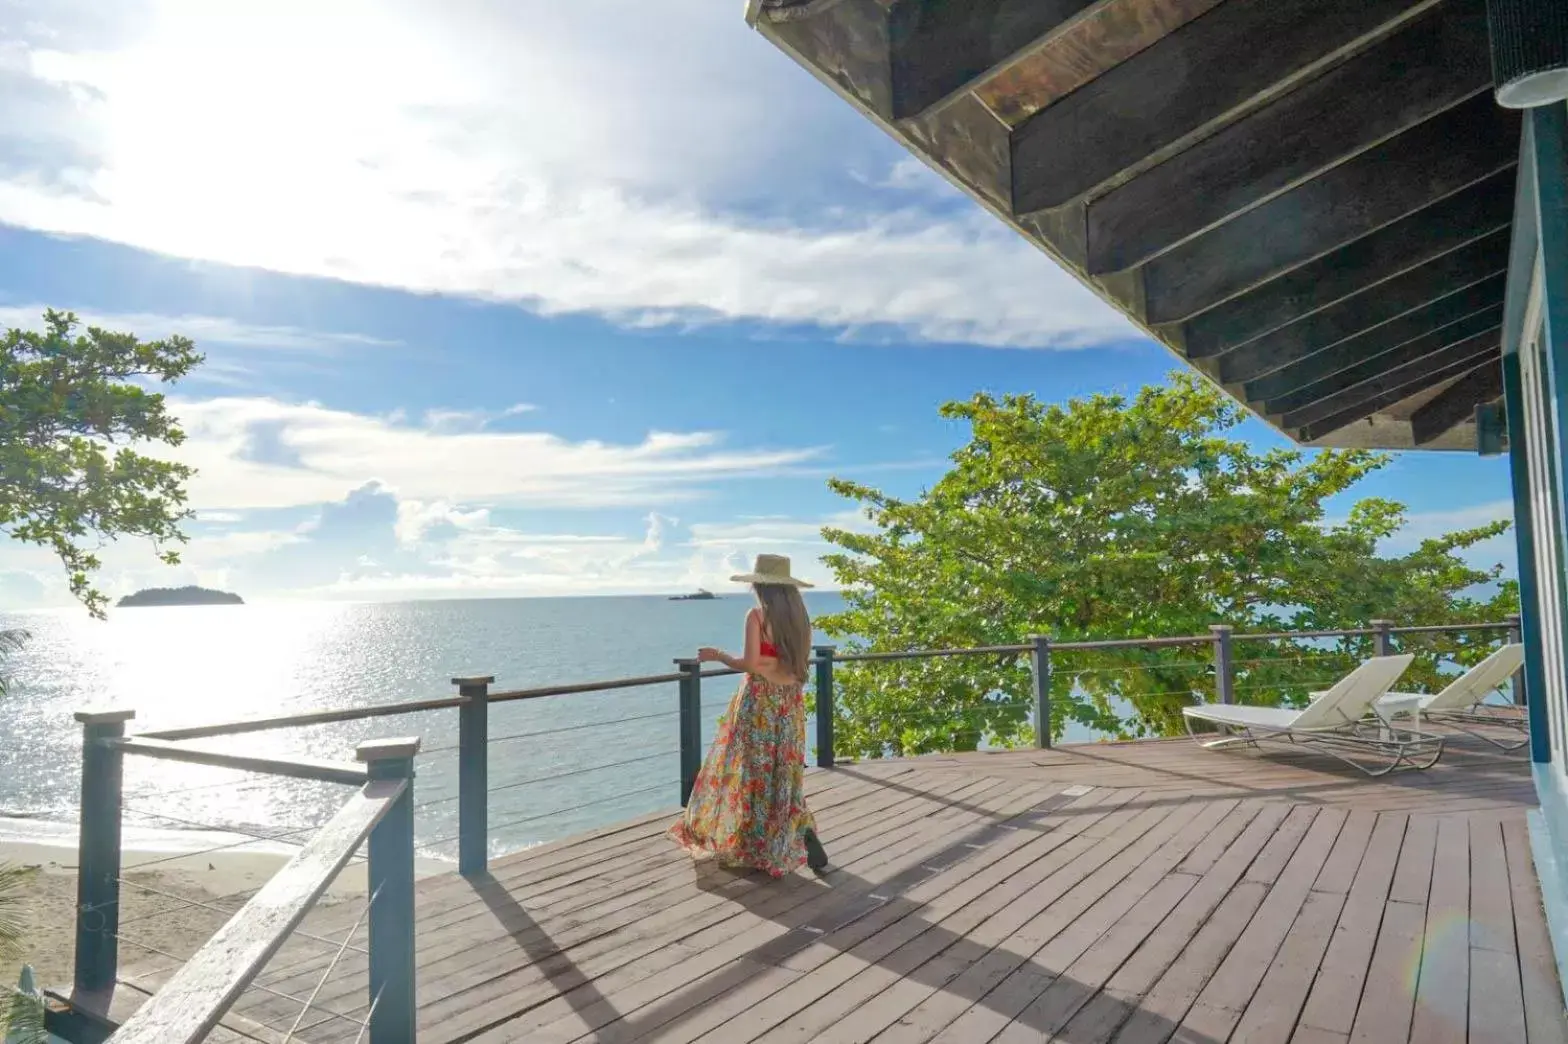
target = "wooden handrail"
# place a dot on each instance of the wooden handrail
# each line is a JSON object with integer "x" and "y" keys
{"x": 198, "y": 996}
{"x": 303, "y": 718}
{"x": 295, "y": 768}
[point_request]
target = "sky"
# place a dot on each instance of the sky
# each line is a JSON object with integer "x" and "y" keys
{"x": 526, "y": 299}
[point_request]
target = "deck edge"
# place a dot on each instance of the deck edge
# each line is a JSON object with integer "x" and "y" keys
{"x": 1549, "y": 852}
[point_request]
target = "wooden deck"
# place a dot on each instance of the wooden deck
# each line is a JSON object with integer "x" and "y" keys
{"x": 1135, "y": 893}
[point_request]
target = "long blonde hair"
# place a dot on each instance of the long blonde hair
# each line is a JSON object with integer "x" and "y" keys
{"x": 788, "y": 625}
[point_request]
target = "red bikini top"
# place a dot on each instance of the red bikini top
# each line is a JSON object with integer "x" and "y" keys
{"x": 769, "y": 649}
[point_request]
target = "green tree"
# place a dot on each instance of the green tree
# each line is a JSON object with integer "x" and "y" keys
{"x": 1108, "y": 518}
{"x": 74, "y": 407}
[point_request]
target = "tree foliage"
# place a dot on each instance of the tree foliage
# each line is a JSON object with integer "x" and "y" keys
{"x": 1109, "y": 518}
{"x": 74, "y": 407}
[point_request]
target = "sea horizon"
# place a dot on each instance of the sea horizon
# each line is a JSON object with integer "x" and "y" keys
{"x": 188, "y": 665}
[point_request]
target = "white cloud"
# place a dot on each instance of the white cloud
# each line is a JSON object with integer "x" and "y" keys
{"x": 312, "y": 454}
{"x": 598, "y": 157}
{"x": 370, "y": 545}
{"x": 417, "y": 520}
{"x": 203, "y": 329}
{"x": 472, "y": 419}
{"x": 760, "y": 534}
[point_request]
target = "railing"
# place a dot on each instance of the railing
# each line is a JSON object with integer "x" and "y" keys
{"x": 202, "y": 991}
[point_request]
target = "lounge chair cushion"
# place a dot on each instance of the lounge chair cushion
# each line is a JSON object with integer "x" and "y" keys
{"x": 1235, "y": 714}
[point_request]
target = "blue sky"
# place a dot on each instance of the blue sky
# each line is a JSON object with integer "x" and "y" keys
{"x": 524, "y": 301}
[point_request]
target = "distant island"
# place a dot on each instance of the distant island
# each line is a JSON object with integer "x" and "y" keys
{"x": 700, "y": 596}
{"x": 178, "y": 596}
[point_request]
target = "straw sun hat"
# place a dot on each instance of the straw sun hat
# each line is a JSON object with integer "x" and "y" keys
{"x": 769, "y": 569}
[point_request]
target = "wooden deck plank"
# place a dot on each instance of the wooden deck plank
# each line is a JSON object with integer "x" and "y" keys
{"x": 867, "y": 940}
{"x": 1137, "y": 975}
{"x": 1339, "y": 871}
{"x": 1002, "y": 939}
{"x": 1228, "y": 993}
{"x": 1272, "y": 1014}
{"x": 860, "y": 974}
{"x": 1068, "y": 935}
{"x": 650, "y": 1002}
{"x": 452, "y": 938}
{"x": 1129, "y": 892}
{"x": 1336, "y": 992}
{"x": 696, "y": 1011}
{"x": 1413, "y": 876}
{"x": 1543, "y": 998}
{"x": 482, "y": 994}
{"x": 1443, "y": 986}
{"x": 1496, "y": 992}
{"x": 1387, "y": 1000}
{"x": 456, "y": 955}
{"x": 770, "y": 927}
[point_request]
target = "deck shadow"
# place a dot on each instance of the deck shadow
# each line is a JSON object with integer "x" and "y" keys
{"x": 948, "y": 955}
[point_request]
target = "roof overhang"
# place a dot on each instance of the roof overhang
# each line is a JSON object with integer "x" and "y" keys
{"x": 1309, "y": 201}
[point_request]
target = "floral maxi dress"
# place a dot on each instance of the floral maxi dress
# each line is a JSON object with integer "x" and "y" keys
{"x": 748, "y": 806}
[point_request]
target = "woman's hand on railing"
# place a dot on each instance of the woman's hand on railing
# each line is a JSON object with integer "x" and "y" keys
{"x": 708, "y": 654}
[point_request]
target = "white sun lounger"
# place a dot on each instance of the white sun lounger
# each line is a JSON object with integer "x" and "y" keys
{"x": 1462, "y": 705}
{"x": 1334, "y": 723}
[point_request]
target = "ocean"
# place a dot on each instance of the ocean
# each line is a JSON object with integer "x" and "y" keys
{"x": 576, "y": 762}
{"x": 558, "y": 765}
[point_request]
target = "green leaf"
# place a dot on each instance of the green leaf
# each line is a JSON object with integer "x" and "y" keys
{"x": 73, "y": 405}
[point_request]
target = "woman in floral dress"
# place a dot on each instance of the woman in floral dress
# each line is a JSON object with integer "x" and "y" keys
{"x": 748, "y": 806}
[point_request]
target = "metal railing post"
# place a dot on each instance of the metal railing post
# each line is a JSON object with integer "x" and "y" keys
{"x": 1516, "y": 637}
{"x": 393, "y": 1014}
{"x": 1383, "y": 640}
{"x": 98, "y": 860}
{"x": 1040, "y": 658}
{"x": 1224, "y": 667}
{"x": 690, "y": 725}
{"x": 825, "y": 705}
{"x": 473, "y": 774}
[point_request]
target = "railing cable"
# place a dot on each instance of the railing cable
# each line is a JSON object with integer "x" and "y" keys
{"x": 618, "y": 796}
{"x": 187, "y": 902}
{"x": 269, "y": 991}
{"x": 331, "y": 967}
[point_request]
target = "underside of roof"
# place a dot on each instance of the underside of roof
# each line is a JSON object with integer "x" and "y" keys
{"x": 1309, "y": 201}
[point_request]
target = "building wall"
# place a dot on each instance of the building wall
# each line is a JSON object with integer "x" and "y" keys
{"x": 1535, "y": 369}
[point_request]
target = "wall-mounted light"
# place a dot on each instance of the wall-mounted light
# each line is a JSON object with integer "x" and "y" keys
{"x": 1529, "y": 51}
{"x": 1491, "y": 429}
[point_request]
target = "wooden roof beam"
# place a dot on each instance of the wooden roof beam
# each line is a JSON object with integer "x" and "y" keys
{"x": 1482, "y": 260}
{"x": 1391, "y": 398}
{"x": 1315, "y": 405}
{"x": 1270, "y": 378}
{"x": 1200, "y": 75}
{"x": 1380, "y": 355}
{"x": 1411, "y": 171}
{"x": 1422, "y": 238}
{"x": 1430, "y": 66}
{"x": 1078, "y": 52}
{"x": 1457, "y": 404}
{"x": 1345, "y": 337}
{"x": 939, "y": 48}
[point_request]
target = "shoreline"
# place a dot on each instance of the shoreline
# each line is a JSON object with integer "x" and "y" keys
{"x": 50, "y": 846}
{"x": 176, "y": 894}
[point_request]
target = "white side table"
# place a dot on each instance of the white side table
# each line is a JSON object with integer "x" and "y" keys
{"x": 1390, "y": 707}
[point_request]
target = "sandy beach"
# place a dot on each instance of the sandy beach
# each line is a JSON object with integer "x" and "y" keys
{"x": 172, "y": 902}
